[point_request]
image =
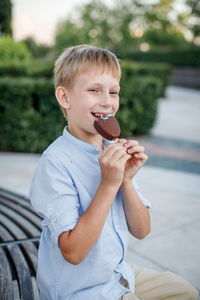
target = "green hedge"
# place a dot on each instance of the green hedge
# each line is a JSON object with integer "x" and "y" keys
{"x": 162, "y": 71}
{"x": 11, "y": 51}
{"x": 29, "y": 114}
{"x": 34, "y": 69}
{"x": 188, "y": 57}
{"x": 31, "y": 118}
{"x": 39, "y": 68}
{"x": 138, "y": 102}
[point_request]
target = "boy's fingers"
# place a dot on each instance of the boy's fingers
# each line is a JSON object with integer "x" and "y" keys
{"x": 141, "y": 156}
{"x": 118, "y": 154}
{"x": 136, "y": 149}
{"x": 131, "y": 143}
{"x": 124, "y": 159}
{"x": 122, "y": 141}
{"x": 110, "y": 150}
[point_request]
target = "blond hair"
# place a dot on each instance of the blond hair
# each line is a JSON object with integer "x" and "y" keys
{"x": 75, "y": 60}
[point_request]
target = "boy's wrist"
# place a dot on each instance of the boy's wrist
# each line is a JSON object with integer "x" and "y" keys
{"x": 126, "y": 183}
{"x": 106, "y": 187}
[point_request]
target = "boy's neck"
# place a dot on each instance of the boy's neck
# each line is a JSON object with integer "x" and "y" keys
{"x": 92, "y": 139}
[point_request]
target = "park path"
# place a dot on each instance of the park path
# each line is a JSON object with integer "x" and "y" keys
{"x": 171, "y": 180}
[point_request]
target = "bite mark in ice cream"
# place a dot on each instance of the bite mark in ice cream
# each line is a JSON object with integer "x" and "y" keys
{"x": 108, "y": 127}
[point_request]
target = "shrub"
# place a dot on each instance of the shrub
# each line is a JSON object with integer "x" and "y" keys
{"x": 185, "y": 57}
{"x": 35, "y": 68}
{"x": 138, "y": 104}
{"x": 11, "y": 51}
{"x": 161, "y": 71}
{"x": 31, "y": 118}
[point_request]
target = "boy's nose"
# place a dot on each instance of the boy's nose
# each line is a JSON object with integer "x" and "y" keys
{"x": 105, "y": 99}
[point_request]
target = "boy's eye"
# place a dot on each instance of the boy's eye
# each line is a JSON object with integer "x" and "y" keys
{"x": 114, "y": 93}
{"x": 93, "y": 90}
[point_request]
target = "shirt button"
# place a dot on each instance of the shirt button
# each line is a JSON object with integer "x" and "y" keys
{"x": 97, "y": 149}
{"x": 55, "y": 220}
{"x": 117, "y": 226}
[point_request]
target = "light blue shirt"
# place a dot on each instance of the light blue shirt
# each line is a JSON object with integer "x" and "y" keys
{"x": 64, "y": 184}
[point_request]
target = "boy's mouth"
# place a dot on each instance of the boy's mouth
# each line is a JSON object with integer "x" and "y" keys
{"x": 100, "y": 115}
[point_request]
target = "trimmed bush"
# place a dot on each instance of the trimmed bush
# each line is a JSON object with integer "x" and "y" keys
{"x": 185, "y": 57}
{"x": 13, "y": 69}
{"x": 29, "y": 114}
{"x": 33, "y": 69}
{"x": 138, "y": 104}
{"x": 162, "y": 71}
{"x": 31, "y": 118}
{"x": 11, "y": 51}
{"x": 38, "y": 68}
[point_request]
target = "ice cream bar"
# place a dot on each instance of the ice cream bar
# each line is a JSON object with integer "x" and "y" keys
{"x": 108, "y": 127}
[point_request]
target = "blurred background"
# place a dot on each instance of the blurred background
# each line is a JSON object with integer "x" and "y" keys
{"x": 158, "y": 44}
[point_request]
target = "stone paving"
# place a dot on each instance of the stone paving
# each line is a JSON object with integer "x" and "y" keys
{"x": 172, "y": 154}
{"x": 170, "y": 180}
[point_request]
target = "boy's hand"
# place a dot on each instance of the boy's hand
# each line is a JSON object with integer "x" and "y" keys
{"x": 112, "y": 162}
{"x": 137, "y": 160}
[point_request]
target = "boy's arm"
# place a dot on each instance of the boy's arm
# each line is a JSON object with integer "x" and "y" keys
{"x": 137, "y": 214}
{"x": 75, "y": 244}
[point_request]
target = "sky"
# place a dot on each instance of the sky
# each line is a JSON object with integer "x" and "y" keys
{"x": 38, "y": 18}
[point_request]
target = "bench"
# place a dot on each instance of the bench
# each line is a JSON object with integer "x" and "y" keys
{"x": 20, "y": 229}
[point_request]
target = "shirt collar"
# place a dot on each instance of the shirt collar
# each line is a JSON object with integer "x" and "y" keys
{"x": 80, "y": 144}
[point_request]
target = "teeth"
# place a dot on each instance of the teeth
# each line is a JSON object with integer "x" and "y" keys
{"x": 102, "y": 115}
{"x": 99, "y": 115}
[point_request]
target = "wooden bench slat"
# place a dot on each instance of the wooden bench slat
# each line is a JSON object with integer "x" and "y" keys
{"x": 6, "y": 285}
{"x": 27, "y": 226}
{"x": 5, "y": 235}
{"x": 15, "y": 198}
{"x": 31, "y": 254}
{"x": 35, "y": 289}
{"x": 18, "y": 254}
{"x": 25, "y": 212}
{"x": 29, "y": 248}
{"x": 17, "y": 233}
{"x": 22, "y": 270}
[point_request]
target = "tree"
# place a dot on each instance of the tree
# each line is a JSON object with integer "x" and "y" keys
{"x": 5, "y": 17}
{"x": 37, "y": 50}
{"x": 124, "y": 27}
{"x": 162, "y": 30}
{"x": 67, "y": 34}
{"x": 194, "y": 25}
{"x": 99, "y": 25}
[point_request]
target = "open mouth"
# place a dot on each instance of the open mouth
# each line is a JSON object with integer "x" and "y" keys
{"x": 103, "y": 116}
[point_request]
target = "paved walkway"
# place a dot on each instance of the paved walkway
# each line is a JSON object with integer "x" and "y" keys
{"x": 170, "y": 180}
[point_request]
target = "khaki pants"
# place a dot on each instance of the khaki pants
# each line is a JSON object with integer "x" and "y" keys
{"x": 153, "y": 285}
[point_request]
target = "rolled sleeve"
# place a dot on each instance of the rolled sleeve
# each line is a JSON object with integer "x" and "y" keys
{"x": 142, "y": 198}
{"x": 54, "y": 196}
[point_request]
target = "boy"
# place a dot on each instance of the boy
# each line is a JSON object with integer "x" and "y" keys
{"x": 83, "y": 187}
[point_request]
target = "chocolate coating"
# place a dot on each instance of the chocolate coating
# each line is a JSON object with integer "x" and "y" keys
{"x": 108, "y": 128}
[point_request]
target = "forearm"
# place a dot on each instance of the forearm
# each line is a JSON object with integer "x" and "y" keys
{"x": 137, "y": 215}
{"x": 81, "y": 239}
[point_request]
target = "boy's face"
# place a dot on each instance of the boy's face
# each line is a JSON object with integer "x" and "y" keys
{"x": 93, "y": 92}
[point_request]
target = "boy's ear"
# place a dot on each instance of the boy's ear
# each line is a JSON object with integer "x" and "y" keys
{"x": 62, "y": 96}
